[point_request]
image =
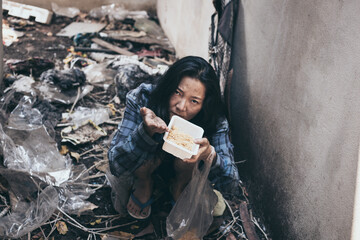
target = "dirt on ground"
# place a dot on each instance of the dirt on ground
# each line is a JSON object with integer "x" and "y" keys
{"x": 39, "y": 40}
{"x": 40, "y": 47}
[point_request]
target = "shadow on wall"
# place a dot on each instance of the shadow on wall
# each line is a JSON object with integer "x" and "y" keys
{"x": 239, "y": 96}
{"x": 243, "y": 136}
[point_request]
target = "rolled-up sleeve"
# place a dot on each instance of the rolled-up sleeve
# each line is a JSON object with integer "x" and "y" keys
{"x": 224, "y": 172}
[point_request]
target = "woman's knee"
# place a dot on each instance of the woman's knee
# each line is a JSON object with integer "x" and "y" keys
{"x": 147, "y": 168}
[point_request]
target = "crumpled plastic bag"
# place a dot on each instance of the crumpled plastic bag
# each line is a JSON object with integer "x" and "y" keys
{"x": 65, "y": 79}
{"x": 192, "y": 213}
{"x": 81, "y": 115}
{"x": 27, "y": 145}
{"x": 24, "y": 117}
{"x": 34, "y": 162}
{"x": 70, "y": 12}
{"x": 113, "y": 11}
{"x": 100, "y": 75}
{"x": 129, "y": 77}
{"x": 74, "y": 192}
{"x": 27, "y": 216}
{"x": 53, "y": 94}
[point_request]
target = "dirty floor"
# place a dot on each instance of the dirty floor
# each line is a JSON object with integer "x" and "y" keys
{"x": 38, "y": 50}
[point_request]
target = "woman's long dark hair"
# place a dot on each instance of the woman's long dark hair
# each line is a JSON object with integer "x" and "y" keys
{"x": 193, "y": 67}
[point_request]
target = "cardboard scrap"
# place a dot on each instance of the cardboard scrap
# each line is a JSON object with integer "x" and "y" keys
{"x": 80, "y": 27}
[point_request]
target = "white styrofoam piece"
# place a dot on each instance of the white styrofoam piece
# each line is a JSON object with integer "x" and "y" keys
{"x": 25, "y": 11}
{"x": 187, "y": 128}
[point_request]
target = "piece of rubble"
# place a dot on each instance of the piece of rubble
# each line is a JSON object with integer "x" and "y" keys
{"x": 27, "y": 11}
{"x": 80, "y": 27}
{"x": 112, "y": 47}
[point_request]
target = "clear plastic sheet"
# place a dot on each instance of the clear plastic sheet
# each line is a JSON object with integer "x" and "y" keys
{"x": 65, "y": 11}
{"x": 27, "y": 216}
{"x": 34, "y": 151}
{"x": 54, "y": 94}
{"x": 22, "y": 84}
{"x": 48, "y": 91}
{"x": 27, "y": 145}
{"x": 132, "y": 60}
{"x": 100, "y": 75}
{"x": 24, "y": 117}
{"x": 74, "y": 192}
{"x": 113, "y": 11}
{"x": 192, "y": 213}
{"x": 81, "y": 115}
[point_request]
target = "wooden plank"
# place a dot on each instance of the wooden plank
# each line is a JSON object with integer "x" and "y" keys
{"x": 246, "y": 222}
{"x": 112, "y": 47}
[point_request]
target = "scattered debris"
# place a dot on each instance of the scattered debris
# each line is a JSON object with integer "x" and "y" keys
{"x": 58, "y": 114}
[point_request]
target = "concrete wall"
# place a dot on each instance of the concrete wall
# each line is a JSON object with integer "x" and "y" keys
{"x": 296, "y": 100}
{"x": 187, "y": 25}
{"x": 295, "y": 106}
{"x": 87, "y": 5}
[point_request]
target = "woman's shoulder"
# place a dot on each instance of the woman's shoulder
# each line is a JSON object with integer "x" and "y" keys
{"x": 140, "y": 94}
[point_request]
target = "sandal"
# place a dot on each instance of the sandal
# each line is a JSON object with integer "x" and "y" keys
{"x": 142, "y": 206}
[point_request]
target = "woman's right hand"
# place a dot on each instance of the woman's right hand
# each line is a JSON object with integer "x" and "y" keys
{"x": 152, "y": 123}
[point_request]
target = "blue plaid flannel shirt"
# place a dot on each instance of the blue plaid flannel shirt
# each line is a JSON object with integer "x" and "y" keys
{"x": 132, "y": 146}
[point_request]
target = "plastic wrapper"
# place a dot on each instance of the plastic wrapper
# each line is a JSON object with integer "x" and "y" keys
{"x": 132, "y": 60}
{"x": 113, "y": 11}
{"x": 150, "y": 27}
{"x": 49, "y": 91}
{"x": 74, "y": 192}
{"x": 24, "y": 117}
{"x": 33, "y": 162}
{"x": 100, "y": 75}
{"x": 129, "y": 77}
{"x": 22, "y": 84}
{"x": 27, "y": 216}
{"x": 82, "y": 114}
{"x": 54, "y": 94}
{"x": 65, "y": 11}
{"x": 65, "y": 79}
{"x": 192, "y": 213}
{"x": 27, "y": 145}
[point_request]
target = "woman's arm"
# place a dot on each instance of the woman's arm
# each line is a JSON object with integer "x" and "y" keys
{"x": 224, "y": 172}
{"x": 131, "y": 145}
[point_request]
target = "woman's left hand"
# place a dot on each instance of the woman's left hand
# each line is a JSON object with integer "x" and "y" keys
{"x": 204, "y": 151}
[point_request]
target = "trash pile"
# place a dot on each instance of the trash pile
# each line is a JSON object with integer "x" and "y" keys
{"x": 57, "y": 117}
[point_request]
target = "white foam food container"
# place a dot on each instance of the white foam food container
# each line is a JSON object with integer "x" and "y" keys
{"x": 185, "y": 127}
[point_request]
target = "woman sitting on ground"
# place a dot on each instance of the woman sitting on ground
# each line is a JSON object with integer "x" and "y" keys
{"x": 189, "y": 89}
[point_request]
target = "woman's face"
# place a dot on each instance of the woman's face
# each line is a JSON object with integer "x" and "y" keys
{"x": 188, "y": 98}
